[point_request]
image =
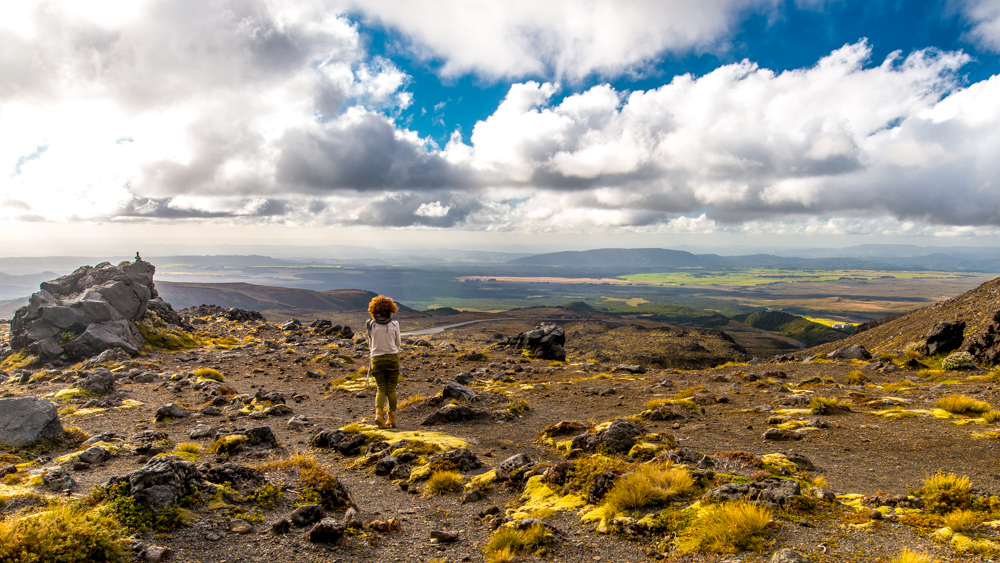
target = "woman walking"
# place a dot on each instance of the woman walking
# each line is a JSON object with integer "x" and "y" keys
{"x": 384, "y": 343}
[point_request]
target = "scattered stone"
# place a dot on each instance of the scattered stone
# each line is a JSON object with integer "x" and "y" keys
{"x": 101, "y": 382}
{"x": 800, "y": 461}
{"x": 444, "y": 536}
{"x": 211, "y": 410}
{"x": 788, "y": 555}
{"x": 242, "y": 478}
{"x": 202, "y": 431}
{"x": 513, "y": 465}
{"x": 307, "y": 514}
{"x": 781, "y": 435}
{"x": 281, "y": 527}
{"x": 170, "y": 411}
{"x": 94, "y": 455}
{"x": 327, "y": 530}
{"x": 261, "y": 436}
{"x": 240, "y": 526}
{"x": 351, "y": 519}
{"x": 157, "y": 554}
{"x": 619, "y": 437}
{"x": 464, "y": 378}
{"x": 26, "y": 420}
{"x": 161, "y": 482}
{"x": 58, "y": 479}
{"x": 852, "y": 352}
{"x": 457, "y": 391}
{"x": 454, "y": 413}
{"x": 243, "y": 315}
{"x": 631, "y": 368}
{"x": 472, "y": 357}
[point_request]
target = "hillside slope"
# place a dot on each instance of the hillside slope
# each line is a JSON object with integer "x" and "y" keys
{"x": 792, "y": 326}
{"x": 975, "y": 307}
{"x": 264, "y": 298}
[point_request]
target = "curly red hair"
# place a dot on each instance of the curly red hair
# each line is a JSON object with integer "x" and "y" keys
{"x": 382, "y": 306}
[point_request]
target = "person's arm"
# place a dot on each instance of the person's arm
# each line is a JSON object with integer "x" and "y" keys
{"x": 399, "y": 338}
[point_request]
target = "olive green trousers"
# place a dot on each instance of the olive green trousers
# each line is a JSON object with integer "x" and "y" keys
{"x": 385, "y": 370}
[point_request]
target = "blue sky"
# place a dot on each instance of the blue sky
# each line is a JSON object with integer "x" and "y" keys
{"x": 558, "y": 124}
{"x": 793, "y": 37}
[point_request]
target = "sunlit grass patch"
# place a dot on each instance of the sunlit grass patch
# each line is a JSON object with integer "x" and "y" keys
{"x": 827, "y": 405}
{"x": 441, "y": 482}
{"x": 507, "y": 543}
{"x": 907, "y": 556}
{"x": 960, "y": 404}
{"x": 654, "y": 404}
{"x": 946, "y": 492}
{"x": 856, "y": 377}
{"x": 962, "y": 520}
{"x": 62, "y": 533}
{"x": 210, "y": 374}
{"x": 539, "y": 501}
{"x": 728, "y": 527}
{"x": 651, "y": 484}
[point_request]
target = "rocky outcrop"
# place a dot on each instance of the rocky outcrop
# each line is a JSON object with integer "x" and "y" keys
{"x": 26, "y": 420}
{"x": 985, "y": 346}
{"x": 618, "y": 437}
{"x": 943, "y": 337}
{"x": 545, "y": 342}
{"x": 88, "y": 311}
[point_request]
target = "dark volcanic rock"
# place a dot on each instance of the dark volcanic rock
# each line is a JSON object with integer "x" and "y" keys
{"x": 619, "y": 437}
{"x": 307, "y": 514}
{"x": 327, "y": 530}
{"x": 463, "y": 459}
{"x": 775, "y": 492}
{"x": 852, "y": 352}
{"x": 545, "y": 342}
{"x": 457, "y": 391}
{"x": 161, "y": 482}
{"x": 943, "y": 337}
{"x": 985, "y": 346}
{"x": 235, "y": 314}
{"x": 454, "y": 413}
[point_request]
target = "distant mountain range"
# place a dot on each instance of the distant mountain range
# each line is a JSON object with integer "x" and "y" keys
{"x": 878, "y": 257}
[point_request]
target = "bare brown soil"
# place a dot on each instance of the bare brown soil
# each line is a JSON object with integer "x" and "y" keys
{"x": 858, "y": 451}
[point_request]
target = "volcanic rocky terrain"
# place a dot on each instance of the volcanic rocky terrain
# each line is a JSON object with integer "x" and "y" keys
{"x": 222, "y": 436}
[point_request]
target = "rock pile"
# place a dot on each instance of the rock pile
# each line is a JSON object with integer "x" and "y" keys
{"x": 88, "y": 311}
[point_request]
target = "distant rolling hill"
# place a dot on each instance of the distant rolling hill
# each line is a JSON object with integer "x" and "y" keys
{"x": 638, "y": 258}
{"x": 264, "y": 298}
{"x": 792, "y": 326}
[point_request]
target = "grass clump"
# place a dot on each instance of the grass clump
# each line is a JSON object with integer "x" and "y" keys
{"x": 654, "y": 404}
{"x": 649, "y": 485}
{"x": 962, "y": 520}
{"x": 907, "y": 556}
{"x": 411, "y": 401}
{"x": 726, "y": 528}
{"x": 227, "y": 445}
{"x": 827, "y": 405}
{"x": 209, "y": 373}
{"x": 506, "y": 543}
{"x": 959, "y": 360}
{"x": 960, "y": 404}
{"x": 991, "y": 416}
{"x": 946, "y": 492}
{"x": 319, "y": 487}
{"x": 63, "y": 533}
{"x": 516, "y": 409}
{"x": 856, "y": 378}
{"x": 441, "y": 482}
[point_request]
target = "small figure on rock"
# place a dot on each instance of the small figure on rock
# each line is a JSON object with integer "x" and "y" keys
{"x": 384, "y": 341}
{"x": 137, "y": 259}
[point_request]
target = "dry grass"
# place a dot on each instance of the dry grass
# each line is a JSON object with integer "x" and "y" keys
{"x": 907, "y": 556}
{"x": 442, "y": 482}
{"x": 856, "y": 378}
{"x": 506, "y": 543}
{"x": 411, "y": 401}
{"x": 63, "y": 533}
{"x": 946, "y": 492}
{"x": 210, "y": 373}
{"x": 962, "y": 520}
{"x": 649, "y": 485}
{"x": 726, "y": 528}
{"x": 827, "y": 405}
{"x": 960, "y": 404}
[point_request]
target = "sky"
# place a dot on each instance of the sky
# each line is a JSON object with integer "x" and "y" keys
{"x": 200, "y": 125}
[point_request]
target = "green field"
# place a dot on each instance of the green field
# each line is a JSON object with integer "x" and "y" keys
{"x": 760, "y": 276}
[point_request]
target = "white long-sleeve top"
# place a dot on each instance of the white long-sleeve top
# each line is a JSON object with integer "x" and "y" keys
{"x": 385, "y": 338}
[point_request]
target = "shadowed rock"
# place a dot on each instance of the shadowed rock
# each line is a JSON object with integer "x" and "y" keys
{"x": 26, "y": 420}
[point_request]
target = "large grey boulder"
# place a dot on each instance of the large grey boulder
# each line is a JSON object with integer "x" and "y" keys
{"x": 86, "y": 312}
{"x": 457, "y": 391}
{"x": 852, "y": 352}
{"x": 619, "y": 437}
{"x": 25, "y": 420}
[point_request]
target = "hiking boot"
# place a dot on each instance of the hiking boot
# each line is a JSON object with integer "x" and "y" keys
{"x": 380, "y": 418}
{"x": 392, "y": 419}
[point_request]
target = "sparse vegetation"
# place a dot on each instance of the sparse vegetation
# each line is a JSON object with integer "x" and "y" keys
{"x": 649, "y": 485}
{"x": 907, "y": 556}
{"x": 958, "y": 360}
{"x": 856, "y": 377}
{"x": 209, "y": 373}
{"x": 826, "y": 405}
{"x": 946, "y": 492}
{"x": 65, "y": 532}
{"x": 506, "y": 543}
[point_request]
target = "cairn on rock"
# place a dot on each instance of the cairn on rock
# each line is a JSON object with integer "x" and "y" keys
{"x": 89, "y": 311}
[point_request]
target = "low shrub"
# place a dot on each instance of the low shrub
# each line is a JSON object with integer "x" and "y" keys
{"x": 958, "y": 360}
{"x": 506, "y": 543}
{"x": 649, "y": 485}
{"x": 962, "y": 520}
{"x": 825, "y": 405}
{"x": 856, "y": 378}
